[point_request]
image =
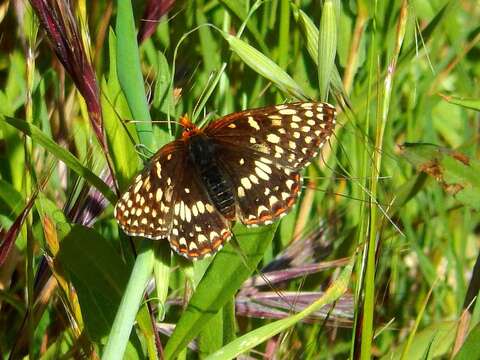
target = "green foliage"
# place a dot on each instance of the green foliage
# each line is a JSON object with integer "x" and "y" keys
{"x": 396, "y": 189}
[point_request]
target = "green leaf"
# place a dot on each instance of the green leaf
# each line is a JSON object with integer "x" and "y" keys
{"x": 327, "y": 47}
{"x": 11, "y": 197}
{"x": 115, "y": 110}
{"x": 473, "y": 104}
{"x": 456, "y": 172}
{"x": 264, "y": 66}
{"x": 130, "y": 73}
{"x": 210, "y": 338}
{"x": 98, "y": 274}
{"x": 435, "y": 340}
{"x": 64, "y": 155}
{"x": 131, "y": 299}
{"x": 311, "y": 37}
{"x": 223, "y": 278}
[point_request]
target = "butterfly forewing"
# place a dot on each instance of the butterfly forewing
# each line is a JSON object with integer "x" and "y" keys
{"x": 145, "y": 208}
{"x": 289, "y": 134}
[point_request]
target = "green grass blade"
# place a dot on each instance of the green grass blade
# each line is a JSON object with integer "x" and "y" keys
{"x": 264, "y": 66}
{"x": 61, "y": 154}
{"x": 471, "y": 348}
{"x": 130, "y": 74}
{"x": 127, "y": 311}
{"x": 473, "y": 104}
{"x": 223, "y": 278}
{"x": 115, "y": 111}
{"x": 311, "y": 36}
{"x": 327, "y": 47}
{"x": 131, "y": 80}
{"x": 98, "y": 274}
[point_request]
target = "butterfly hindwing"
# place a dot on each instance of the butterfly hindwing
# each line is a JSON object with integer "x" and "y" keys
{"x": 264, "y": 190}
{"x": 198, "y": 228}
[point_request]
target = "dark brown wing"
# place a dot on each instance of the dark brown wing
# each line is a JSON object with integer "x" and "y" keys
{"x": 290, "y": 134}
{"x": 264, "y": 190}
{"x": 262, "y": 151}
{"x": 145, "y": 208}
{"x": 167, "y": 201}
{"x": 198, "y": 228}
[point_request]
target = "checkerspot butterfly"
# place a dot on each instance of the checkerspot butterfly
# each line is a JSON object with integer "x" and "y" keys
{"x": 244, "y": 166}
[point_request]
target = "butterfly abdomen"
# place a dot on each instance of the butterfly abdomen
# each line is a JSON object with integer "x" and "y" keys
{"x": 202, "y": 155}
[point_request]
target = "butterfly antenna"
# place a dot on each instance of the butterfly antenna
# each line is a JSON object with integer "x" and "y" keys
{"x": 143, "y": 151}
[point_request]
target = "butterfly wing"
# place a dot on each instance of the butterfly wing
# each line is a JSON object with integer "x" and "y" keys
{"x": 145, "y": 208}
{"x": 264, "y": 190}
{"x": 167, "y": 201}
{"x": 198, "y": 228}
{"x": 262, "y": 151}
{"x": 290, "y": 134}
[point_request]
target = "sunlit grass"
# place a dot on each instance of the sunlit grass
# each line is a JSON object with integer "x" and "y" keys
{"x": 71, "y": 283}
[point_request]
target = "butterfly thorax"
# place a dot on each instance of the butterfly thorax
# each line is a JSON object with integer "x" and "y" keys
{"x": 201, "y": 153}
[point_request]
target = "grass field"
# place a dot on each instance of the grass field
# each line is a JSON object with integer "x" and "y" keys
{"x": 378, "y": 258}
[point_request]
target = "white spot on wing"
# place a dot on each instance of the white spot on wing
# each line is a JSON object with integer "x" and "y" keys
{"x": 240, "y": 191}
{"x": 287, "y": 111}
{"x": 253, "y": 123}
{"x": 274, "y": 139}
{"x": 246, "y": 183}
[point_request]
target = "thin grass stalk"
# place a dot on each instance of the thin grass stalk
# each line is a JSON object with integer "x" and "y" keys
{"x": 131, "y": 80}
{"x": 352, "y": 60}
{"x": 363, "y": 216}
{"x": 31, "y": 30}
{"x": 374, "y": 235}
{"x": 413, "y": 332}
{"x": 284, "y": 34}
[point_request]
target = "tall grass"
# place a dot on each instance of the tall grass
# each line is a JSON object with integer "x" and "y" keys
{"x": 379, "y": 258}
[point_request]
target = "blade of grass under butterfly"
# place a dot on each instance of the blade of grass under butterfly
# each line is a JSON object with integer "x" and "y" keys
{"x": 61, "y": 154}
{"x": 131, "y": 80}
{"x": 264, "y": 66}
{"x": 223, "y": 278}
{"x": 259, "y": 335}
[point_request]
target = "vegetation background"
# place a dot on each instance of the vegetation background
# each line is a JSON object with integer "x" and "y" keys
{"x": 378, "y": 259}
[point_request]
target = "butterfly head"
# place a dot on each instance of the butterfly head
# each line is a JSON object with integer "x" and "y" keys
{"x": 189, "y": 128}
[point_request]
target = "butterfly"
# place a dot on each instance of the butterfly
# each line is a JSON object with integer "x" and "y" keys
{"x": 242, "y": 167}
